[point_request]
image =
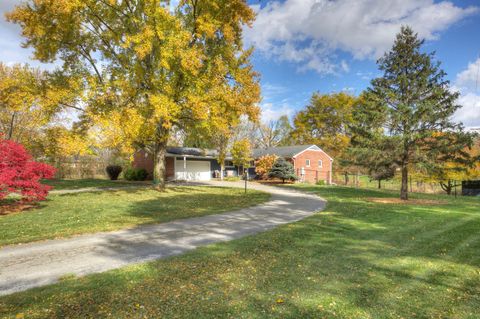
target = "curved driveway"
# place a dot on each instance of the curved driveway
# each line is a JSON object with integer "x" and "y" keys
{"x": 36, "y": 264}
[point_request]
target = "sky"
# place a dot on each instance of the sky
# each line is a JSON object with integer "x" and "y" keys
{"x": 307, "y": 46}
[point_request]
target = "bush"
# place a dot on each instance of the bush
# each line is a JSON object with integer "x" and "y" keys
{"x": 135, "y": 174}
{"x": 321, "y": 182}
{"x": 19, "y": 174}
{"x": 283, "y": 170}
{"x": 113, "y": 171}
{"x": 264, "y": 164}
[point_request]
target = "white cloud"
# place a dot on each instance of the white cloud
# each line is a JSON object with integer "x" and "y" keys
{"x": 308, "y": 32}
{"x": 469, "y": 79}
{"x": 271, "y": 91}
{"x": 468, "y": 84}
{"x": 469, "y": 114}
{"x": 272, "y": 111}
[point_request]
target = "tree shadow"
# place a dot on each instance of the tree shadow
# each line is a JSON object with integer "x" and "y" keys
{"x": 354, "y": 260}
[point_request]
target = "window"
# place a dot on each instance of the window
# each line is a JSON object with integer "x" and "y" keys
{"x": 307, "y": 163}
{"x": 320, "y": 163}
{"x": 229, "y": 164}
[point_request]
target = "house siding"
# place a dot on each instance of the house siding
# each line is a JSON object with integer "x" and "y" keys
{"x": 314, "y": 173}
{"x": 142, "y": 159}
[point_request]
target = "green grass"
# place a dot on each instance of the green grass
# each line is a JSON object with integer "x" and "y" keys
{"x": 73, "y": 184}
{"x": 356, "y": 259}
{"x": 70, "y": 214}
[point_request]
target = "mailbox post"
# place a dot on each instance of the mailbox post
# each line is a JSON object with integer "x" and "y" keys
{"x": 245, "y": 176}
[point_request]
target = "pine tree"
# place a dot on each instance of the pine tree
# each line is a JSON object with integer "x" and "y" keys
{"x": 283, "y": 170}
{"x": 410, "y": 107}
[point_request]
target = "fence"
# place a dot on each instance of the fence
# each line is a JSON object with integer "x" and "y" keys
{"x": 84, "y": 168}
{"x": 414, "y": 185}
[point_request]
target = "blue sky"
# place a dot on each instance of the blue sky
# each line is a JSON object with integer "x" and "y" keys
{"x": 303, "y": 46}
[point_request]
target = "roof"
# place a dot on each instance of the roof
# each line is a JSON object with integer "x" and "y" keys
{"x": 283, "y": 151}
{"x": 191, "y": 151}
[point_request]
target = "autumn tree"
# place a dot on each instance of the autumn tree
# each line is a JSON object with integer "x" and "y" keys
{"x": 275, "y": 132}
{"x": 241, "y": 154}
{"x": 19, "y": 174}
{"x": 450, "y": 172}
{"x": 21, "y": 112}
{"x": 411, "y": 106}
{"x": 264, "y": 164}
{"x": 157, "y": 66}
{"x": 58, "y": 143}
{"x": 325, "y": 122}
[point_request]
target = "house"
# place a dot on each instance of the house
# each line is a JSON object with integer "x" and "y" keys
{"x": 311, "y": 163}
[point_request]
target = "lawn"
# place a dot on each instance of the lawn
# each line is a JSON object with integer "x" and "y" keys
{"x": 73, "y": 184}
{"x": 69, "y": 214}
{"x": 357, "y": 259}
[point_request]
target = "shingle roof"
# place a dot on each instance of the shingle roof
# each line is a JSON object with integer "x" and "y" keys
{"x": 191, "y": 151}
{"x": 282, "y": 151}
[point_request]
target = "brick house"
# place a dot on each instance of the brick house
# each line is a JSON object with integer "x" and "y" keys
{"x": 311, "y": 163}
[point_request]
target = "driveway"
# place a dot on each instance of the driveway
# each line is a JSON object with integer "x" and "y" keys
{"x": 36, "y": 264}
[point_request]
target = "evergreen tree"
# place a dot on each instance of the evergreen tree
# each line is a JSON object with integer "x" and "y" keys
{"x": 410, "y": 108}
{"x": 283, "y": 170}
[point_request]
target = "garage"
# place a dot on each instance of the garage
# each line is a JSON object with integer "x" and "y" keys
{"x": 192, "y": 170}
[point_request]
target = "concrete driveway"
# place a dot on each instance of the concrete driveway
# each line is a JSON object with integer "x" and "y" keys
{"x": 36, "y": 264}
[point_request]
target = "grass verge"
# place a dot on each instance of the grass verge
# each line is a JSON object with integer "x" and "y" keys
{"x": 74, "y": 184}
{"x": 71, "y": 214}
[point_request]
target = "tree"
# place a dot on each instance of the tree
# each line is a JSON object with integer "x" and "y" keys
{"x": 58, "y": 143}
{"x": 158, "y": 66}
{"x": 275, "y": 132}
{"x": 411, "y": 106}
{"x": 241, "y": 153}
{"x": 448, "y": 173}
{"x": 264, "y": 164}
{"x": 246, "y": 129}
{"x": 21, "y": 113}
{"x": 381, "y": 173}
{"x": 325, "y": 122}
{"x": 20, "y": 175}
{"x": 283, "y": 170}
{"x": 371, "y": 152}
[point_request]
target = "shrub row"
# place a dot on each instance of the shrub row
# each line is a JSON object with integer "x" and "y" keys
{"x": 130, "y": 174}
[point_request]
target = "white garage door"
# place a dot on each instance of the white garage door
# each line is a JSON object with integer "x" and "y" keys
{"x": 194, "y": 170}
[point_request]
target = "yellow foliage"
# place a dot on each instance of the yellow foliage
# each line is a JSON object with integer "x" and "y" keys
{"x": 242, "y": 153}
{"x": 264, "y": 164}
{"x": 146, "y": 69}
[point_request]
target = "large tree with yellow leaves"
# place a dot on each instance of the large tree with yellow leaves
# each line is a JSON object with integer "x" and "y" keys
{"x": 153, "y": 65}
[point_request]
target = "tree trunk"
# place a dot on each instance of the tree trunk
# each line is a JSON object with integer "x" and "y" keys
{"x": 447, "y": 187}
{"x": 222, "y": 170}
{"x": 346, "y": 178}
{"x": 10, "y": 130}
{"x": 379, "y": 184}
{"x": 404, "y": 188}
{"x": 159, "y": 165}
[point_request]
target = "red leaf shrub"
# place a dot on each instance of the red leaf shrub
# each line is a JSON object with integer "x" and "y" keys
{"x": 20, "y": 174}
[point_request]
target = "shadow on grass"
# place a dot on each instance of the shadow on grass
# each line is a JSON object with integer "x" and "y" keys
{"x": 354, "y": 260}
